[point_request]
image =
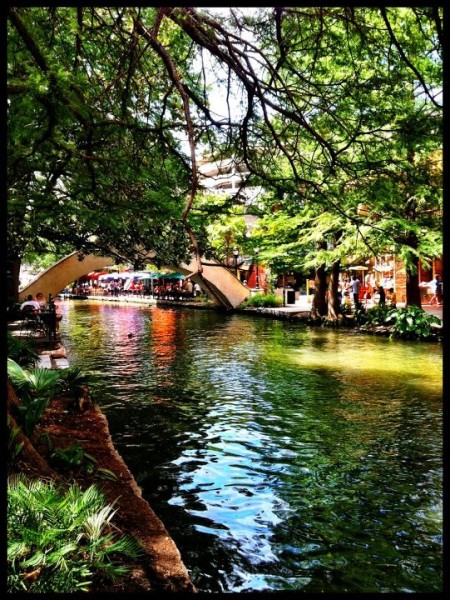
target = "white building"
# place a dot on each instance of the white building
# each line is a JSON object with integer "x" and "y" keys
{"x": 227, "y": 177}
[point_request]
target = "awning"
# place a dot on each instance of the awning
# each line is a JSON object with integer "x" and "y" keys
{"x": 94, "y": 275}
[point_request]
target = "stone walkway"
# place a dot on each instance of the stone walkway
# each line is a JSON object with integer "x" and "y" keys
{"x": 303, "y": 306}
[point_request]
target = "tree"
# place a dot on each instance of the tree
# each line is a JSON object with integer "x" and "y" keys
{"x": 369, "y": 82}
{"x": 85, "y": 168}
{"x": 326, "y": 97}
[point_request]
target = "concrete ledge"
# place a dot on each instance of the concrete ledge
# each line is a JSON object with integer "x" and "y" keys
{"x": 45, "y": 361}
{"x": 60, "y": 363}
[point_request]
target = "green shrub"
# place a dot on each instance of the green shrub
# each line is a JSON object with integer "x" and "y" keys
{"x": 75, "y": 457}
{"x": 411, "y": 323}
{"x": 60, "y": 540}
{"x": 376, "y": 315}
{"x": 262, "y": 301}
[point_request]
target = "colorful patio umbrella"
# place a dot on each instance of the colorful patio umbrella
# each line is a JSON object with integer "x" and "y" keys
{"x": 150, "y": 276}
{"x": 140, "y": 274}
{"x": 109, "y": 276}
{"x": 173, "y": 276}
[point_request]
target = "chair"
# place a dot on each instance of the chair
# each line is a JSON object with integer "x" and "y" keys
{"x": 31, "y": 323}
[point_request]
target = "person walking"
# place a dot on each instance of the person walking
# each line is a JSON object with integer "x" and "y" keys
{"x": 436, "y": 290}
{"x": 355, "y": 286}
{"x": 382, "y": 296}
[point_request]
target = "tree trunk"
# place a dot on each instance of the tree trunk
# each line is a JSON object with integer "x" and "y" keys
{"x": 319, "y": 308}
{"x": 333, "y": 299}
{"x": 13, "y": 271}
{"x": 412, "y": 285}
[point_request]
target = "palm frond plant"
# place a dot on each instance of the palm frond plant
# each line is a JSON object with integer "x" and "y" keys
{"x": 74, "y": 382}
{"x": 35, "y": 389}
{"x": 61, "y": 540}
{"x": 22, "y": 352}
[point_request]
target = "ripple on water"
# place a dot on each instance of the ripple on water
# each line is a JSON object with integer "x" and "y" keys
{"x": 278, "y": 457}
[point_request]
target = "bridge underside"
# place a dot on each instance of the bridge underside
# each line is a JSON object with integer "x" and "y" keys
{"x": 217, "y": 281}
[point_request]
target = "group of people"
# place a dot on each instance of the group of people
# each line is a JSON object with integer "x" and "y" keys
{"x": 377, "y": 293}
{"x": 34, "y": 305}
{"x": 169, "y": 290}
{"x": 177, "y": 291}
{"x": 39, "y": 307}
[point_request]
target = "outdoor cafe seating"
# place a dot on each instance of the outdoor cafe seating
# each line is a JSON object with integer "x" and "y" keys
{"x": 30, "y": 321}
{"x": 42, "y": 323}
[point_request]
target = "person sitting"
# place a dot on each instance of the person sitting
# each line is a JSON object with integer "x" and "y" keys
{"x": 30, "y": 305}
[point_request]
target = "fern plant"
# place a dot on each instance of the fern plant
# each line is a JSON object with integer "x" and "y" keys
{"x": 60, "y": 540}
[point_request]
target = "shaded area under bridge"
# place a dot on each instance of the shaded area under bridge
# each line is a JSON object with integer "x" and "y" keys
{"x": 217, "y": 281}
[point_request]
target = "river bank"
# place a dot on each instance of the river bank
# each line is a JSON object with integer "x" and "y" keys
{"x": 160, "y": 567}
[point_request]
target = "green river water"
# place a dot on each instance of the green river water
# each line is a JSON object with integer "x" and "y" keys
{"x": 279, "y": 457}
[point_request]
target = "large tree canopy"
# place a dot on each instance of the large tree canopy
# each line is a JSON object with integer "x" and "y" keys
{"x": 109, "y": 107}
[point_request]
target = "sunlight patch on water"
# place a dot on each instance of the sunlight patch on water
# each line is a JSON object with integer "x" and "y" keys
{"x": 380, "y": 362}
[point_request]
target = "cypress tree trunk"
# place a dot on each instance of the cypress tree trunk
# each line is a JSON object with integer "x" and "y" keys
{"x": 13, "y": 271}
{"x": 333, "y": 300}
{"x": 319, "y": 307}
{"x": 412, "y": 285}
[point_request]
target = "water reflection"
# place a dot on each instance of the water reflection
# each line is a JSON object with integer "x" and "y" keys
{"x": 278, "y": 457}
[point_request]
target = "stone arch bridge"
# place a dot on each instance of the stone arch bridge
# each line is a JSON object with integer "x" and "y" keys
{"x": 216, "y": 280}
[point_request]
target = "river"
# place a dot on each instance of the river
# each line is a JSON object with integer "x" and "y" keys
{"x": 279, "y": 457}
